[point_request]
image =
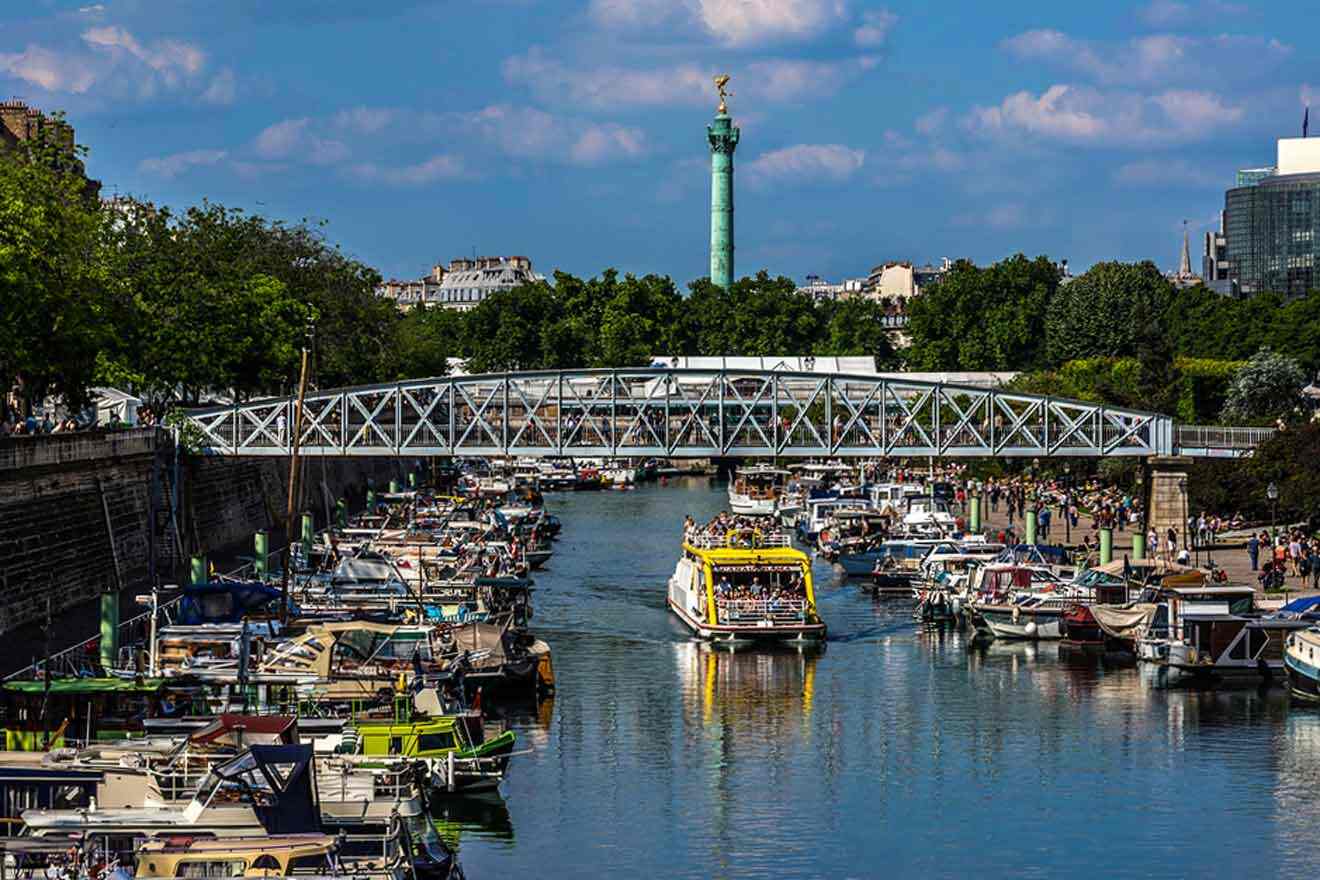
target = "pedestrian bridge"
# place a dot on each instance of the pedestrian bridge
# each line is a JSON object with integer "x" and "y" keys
{"x": 695, "y": 413}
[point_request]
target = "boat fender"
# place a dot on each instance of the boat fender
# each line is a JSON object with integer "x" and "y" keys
{"x": 1031, "y": 629}
{"x": 1017, "y": 613}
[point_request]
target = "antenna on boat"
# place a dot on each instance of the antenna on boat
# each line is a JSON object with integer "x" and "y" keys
{"x": 291, "y": 511}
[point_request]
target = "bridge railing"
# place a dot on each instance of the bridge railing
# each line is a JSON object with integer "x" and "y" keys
{"x": 1212, "y": 441}
{"x": 684, "y": 413}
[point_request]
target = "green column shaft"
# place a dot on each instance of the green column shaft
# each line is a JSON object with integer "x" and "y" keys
{"x": 341, "y": 513}
{"x": 308, "y": 533}
{"x": 1138, "y": 543}
{"x": 974, "y": 513}
{"x": 1106, "y": 546}
{"x": 261, "y": 561}
{"x": 723, "y": 137}
{"x": 412, "y": 479}
{"x": 198, "y": 573}
{"x": 394, "y": 487}
{"x": 1031, "y": 526}
{"x": 109, "y": 628}
{"x": 371, "y": 500}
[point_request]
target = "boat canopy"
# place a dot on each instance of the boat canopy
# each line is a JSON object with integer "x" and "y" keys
{"x": 227, "y": 602}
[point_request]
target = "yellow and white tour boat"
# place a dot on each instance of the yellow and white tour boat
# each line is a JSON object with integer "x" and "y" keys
{"x": 745, "y": 585}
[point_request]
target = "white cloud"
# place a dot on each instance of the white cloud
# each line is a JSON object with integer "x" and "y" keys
{"x": 365, "y": 120}
{"x": 807, "y": 163}
{"x": 223, "y": 88}
{"x": 1167, "y": 172}
{"x": 112, "y": 60}
{"x": 602, "y": 143}
{"x": 875, "y": 28}
{"x": 741, "y": 22}
{"x": 170, "y": 58}
{"x": 933, "y": 121}
{"x": 1163, "y": 13}
{"x": 747, "y": 22}
{"x": 442, "y": 166}
{"x": 48, "y": 70}
{"x": 173, "y": 165}
{"x": 1086, "y": 115}
{"x": 1159, "y": 59}
{"x": 1001, "y": 216}
{"x": 677, "y": 85}
{"x": 281, "y": 139}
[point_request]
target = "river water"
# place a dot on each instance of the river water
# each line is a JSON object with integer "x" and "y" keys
{"x": 895, "y": 751}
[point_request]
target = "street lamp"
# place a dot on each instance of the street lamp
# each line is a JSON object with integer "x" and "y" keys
{"x": 1272, "y": 493}
{"x": 1067, "y": 503}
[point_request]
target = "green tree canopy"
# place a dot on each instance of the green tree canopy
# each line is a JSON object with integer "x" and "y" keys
{"x": 988, "y": 318}
{"x": 1267, "y": 387}
{"x": 1095, "y": 315}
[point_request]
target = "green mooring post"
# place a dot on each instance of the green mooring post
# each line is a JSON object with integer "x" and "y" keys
{"x": 341, "y": 513}
{"x": 412, "y": 479}
{"x": 394, "y": 487}
{"x": 1138, "y": 544}
{"x": 1031, "y": 527}
{"x": 261, "y": 561}
{"x": 308, "y": 534}
{"x": 198, "y": 573}
{"x": 371, "y": 501}
{"x": 974, "y": 513}
{"x": 109, "y": 629}
{"x": 1106, "y": 546}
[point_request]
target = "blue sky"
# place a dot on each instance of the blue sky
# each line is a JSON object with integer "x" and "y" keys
{"x": 573, "y": 131}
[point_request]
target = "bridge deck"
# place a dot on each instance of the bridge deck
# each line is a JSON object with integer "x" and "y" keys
{"x": 682, "y": 413}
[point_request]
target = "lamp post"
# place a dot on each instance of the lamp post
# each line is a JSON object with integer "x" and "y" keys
{"x": 1067, "y": 503}
{"x": 1272, "y": 493}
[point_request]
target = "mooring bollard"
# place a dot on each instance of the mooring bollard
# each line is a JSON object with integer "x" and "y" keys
{"x": 261, "y": 559}
{"x": 109, "y": 629}
{"x": 1106, "y": 546}
{"x": 198, "y": 573}
{"x": 394, "y": 487}
{"x": 341, "y": 513}
{"x": 1031, "y": 526}
{"x": 1138, "y": 544}
{"x": 308, "y": 534}
{"x": 974, "y": 513}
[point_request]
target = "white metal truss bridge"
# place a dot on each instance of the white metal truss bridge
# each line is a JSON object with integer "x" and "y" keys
{"x": 695, "y": 413}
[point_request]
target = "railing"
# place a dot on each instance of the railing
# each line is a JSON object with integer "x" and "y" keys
{"x": 1213, "y": 441}
{"x": 743, "y": 610}
{"x": 739, "y": 539}
{"x": 51, "y": 449}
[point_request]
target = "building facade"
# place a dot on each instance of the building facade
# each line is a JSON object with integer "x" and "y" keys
{"x": 463, "y": 284}
{"x": 1271, "y": 225}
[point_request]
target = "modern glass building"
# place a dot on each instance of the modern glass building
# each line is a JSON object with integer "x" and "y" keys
{"x": 1271, "y": 225}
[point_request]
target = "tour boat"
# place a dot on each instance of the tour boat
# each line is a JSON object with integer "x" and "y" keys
{"x": 1301, "y": 659}
{"x": 755, "y": 491}
{"x": 741, "y": 587}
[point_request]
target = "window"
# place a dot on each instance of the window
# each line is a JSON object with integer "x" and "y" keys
{"x": 231, "y": 868}
{"x": 435, "y": 742}
{"x": 396, "y": 745}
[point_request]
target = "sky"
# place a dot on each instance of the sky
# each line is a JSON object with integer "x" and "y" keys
{"x": 573, "y": 131}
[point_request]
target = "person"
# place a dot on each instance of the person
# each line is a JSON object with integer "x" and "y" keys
{"x": 1045, "y": 516}
{"x": 1171, "y": 544}
{"x": 1295, "y": 555}
{"x": 1184, "y": 557}
{"x": 1152, "y": 543}
{"x": 1253, "y": 550}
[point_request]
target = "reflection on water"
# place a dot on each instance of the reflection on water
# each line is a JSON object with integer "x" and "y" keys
{"x": 484, "y": 817}
{"x": 896, "y": 750}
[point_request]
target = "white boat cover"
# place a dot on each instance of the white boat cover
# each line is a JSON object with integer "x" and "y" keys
{"x": 1124, "y": 621}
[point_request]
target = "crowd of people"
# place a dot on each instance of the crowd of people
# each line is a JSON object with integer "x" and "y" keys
{"x": 1290, "y": 554}
{"x": 14, "y": 424}
{"x": 738, "y": 531}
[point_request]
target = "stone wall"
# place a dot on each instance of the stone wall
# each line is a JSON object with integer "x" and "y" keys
{"x": 1168, "y": 498}
{"x": 76, "y": 512}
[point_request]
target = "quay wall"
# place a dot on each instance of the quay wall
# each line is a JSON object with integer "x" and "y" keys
{"x": 85, "y": 513}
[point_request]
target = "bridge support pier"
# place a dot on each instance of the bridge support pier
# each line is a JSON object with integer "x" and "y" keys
{"x": 1166, "y": 504}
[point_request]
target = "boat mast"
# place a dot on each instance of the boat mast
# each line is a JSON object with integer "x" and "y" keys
{"x": 291, "y": 511}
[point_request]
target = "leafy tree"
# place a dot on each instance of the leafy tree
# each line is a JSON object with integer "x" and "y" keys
{"x": 988, "y": 318}
{"x": 1094, "y": 314}
{"x": 51, "y": 274}
{"x": 507, "y": 332}
{"x": 1267, "y": 387}
{"x": 425, "y": 339}
{"x": 856, "y": 327}
{"x": 1233, "y": 485}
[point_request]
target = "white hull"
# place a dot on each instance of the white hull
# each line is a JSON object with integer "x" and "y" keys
{"x": 1044, "y": 627}
{"x": 744, "y": 506}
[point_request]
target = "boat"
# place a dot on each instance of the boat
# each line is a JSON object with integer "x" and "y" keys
{"x": 1018, "y": 602}
{"x": 756, "y": 490}
{"x": 745, "y": 586}
{"x": 1215, "y": 632}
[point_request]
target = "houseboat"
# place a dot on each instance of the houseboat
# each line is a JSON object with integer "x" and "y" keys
{"x": 755, "y": 491}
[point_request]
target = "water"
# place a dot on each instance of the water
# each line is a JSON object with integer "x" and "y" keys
{"x": 894, "y": 751}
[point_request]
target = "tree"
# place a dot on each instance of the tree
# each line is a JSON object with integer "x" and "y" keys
{"x": 425, "y": 339}
{"x": 52, "y": 274}
{"x": 1268, "y": 387}
{"x": 507, "y": 331}
{"x": 983, "y": 318}
{"x": 856, "y": 327}
{"x": 1095, "y": 314}
{"x": 1239, "y": 485}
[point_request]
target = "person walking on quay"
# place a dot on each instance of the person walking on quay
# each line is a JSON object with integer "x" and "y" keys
{"x": 994, "y": 497}
{"x": 1253, "y": 550}
{"x": 1152, "y": 543}
{"x": 1315, "y": 564}
{"x": 1170, "y": 544}
{"x": 1045, "y": 517}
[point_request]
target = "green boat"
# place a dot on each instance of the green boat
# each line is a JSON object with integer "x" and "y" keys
{"x": 454, "y": 747}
